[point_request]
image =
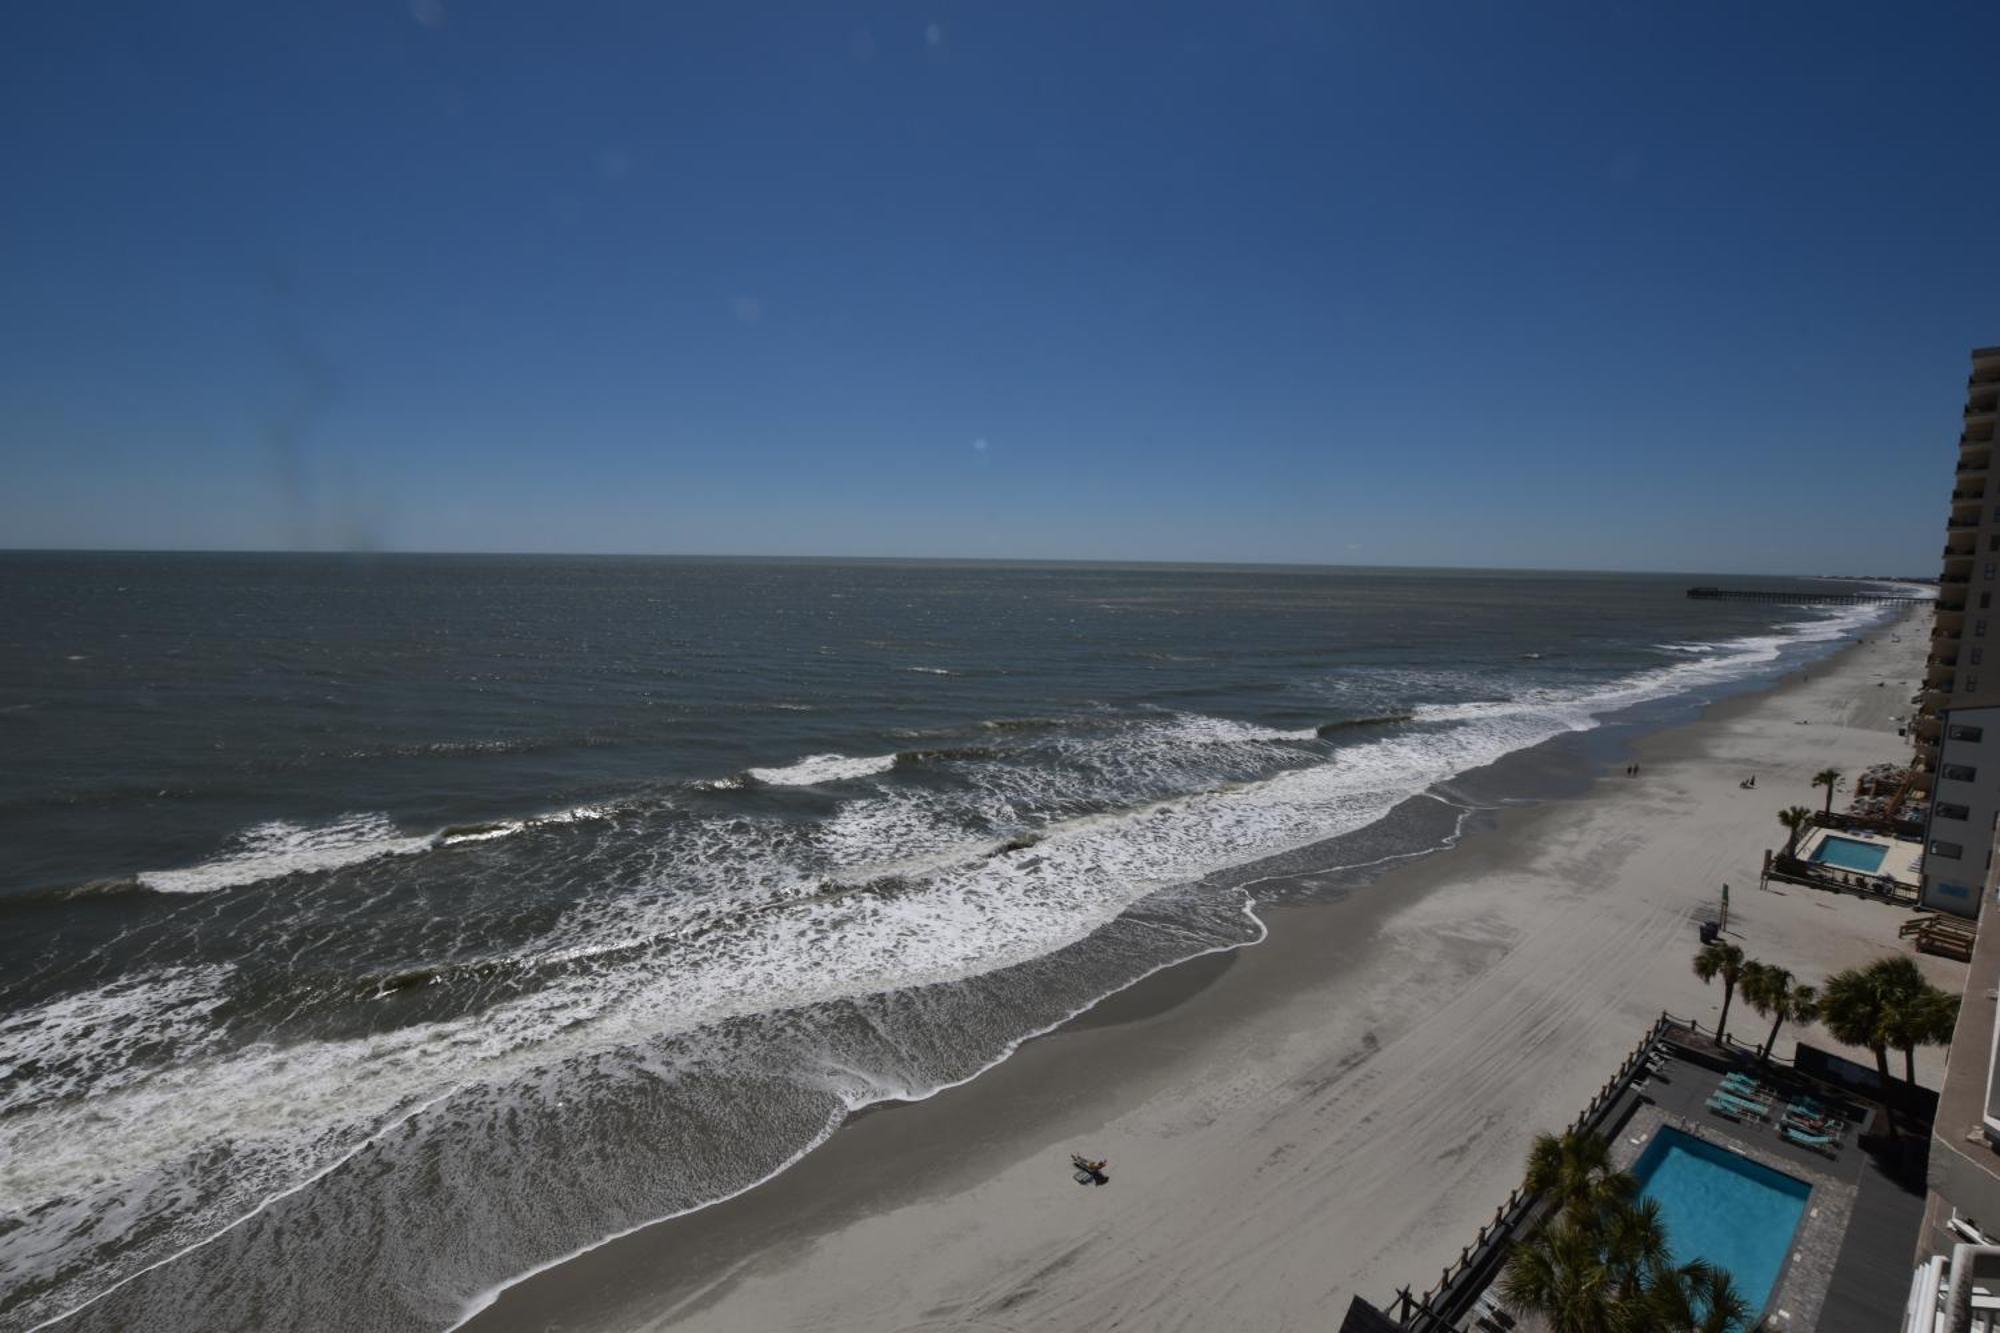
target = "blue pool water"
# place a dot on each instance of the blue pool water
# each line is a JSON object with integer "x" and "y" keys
{"x": 1849, "y": 854}
{"x": 1724, "y": 1208}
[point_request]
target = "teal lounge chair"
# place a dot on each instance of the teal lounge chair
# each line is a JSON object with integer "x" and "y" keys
{"x": 1756, "y": 1102}
{"x": 1735, "y": 1106}
{"x": 1813, "y": 1123}
{"x": 1825, "y": 1143}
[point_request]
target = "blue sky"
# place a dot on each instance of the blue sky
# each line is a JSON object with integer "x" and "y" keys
{"x": 1600, "y": 285}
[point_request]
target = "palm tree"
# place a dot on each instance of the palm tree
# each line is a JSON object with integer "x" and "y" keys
{"x": 1796, "y": 819}
{"x": 1634, "y": 1237}
{"x": 1695, "y": 1296}
{"x": 1857, "y": 1008}
{"x": 1923, "y": 1018}
{"x": 1725, "y": 961}
{"x": 1770, "y": 990}
{"x": 1559, "y": 1274}
{"x": 1827, "y": 778}
{"x": 1575, "y": 1171}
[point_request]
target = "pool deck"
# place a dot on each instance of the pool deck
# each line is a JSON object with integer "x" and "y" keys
{"x": 1901, "y": 860}
{"x": 1849, "y": 1267}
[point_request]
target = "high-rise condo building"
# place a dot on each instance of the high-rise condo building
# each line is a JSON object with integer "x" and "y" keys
{"x": 1958, "y": 720}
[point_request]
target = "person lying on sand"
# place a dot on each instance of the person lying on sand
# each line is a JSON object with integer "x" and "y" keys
{"x": 1089, "y": 1172}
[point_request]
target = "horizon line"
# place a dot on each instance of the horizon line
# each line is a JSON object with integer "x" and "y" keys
{"x": 369, "y": 553}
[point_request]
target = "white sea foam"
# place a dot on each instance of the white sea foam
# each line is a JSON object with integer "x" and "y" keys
{"x": 279, "y": 848}
{"x": 1721, "y": 662}
{"x": 817, "y": 768}
{"x": 81, "y": 1043}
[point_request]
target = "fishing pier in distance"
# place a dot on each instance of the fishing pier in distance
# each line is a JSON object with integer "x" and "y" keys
{"x": 1766, "y": 595}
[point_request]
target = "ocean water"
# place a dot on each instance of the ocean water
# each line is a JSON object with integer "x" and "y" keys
{"x": 373, "y": 930}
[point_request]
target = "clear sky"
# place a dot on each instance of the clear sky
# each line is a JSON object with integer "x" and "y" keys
{"x": 1599, "y": 284}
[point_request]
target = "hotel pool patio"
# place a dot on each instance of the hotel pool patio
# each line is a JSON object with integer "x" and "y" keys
{"x": 1865, "y": 854}
{"x": 1846, "y": 1268}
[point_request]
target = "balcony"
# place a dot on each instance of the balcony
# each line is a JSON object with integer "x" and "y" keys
{"x": 1951, "y": 608}
{"x": 1961, "y": 523}
{"x": 1946, "y": 579}
{"x": 1970, "y": 467}
{"x": 1970, "y": 497}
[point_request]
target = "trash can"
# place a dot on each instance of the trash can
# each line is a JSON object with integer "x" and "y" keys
{"x": 1710, "y": 932}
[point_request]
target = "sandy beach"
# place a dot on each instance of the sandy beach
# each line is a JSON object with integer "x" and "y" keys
{"x": 1329, "y": 1112}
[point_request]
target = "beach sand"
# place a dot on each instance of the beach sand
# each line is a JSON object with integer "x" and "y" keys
{"x": 1332, "y": 1111}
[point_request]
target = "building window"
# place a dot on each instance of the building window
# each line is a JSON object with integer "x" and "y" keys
{"x": 1976, "y": 651}
{"x": 1944, "y": 810}
{"x": 1985, "y": 601}
{"x": 1950, "y": 851}
{"x": 1960, "y": 731}
{"x": 1989, "y": 570}
{"x": 1972, "y": 684}
{"x": 1960, "y": 772}
{"x": 1993, "y": 543}
{"x": 1978, "y": 629}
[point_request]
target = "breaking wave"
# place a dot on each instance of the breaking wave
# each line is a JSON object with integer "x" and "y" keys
{"x": 815, "y": 769}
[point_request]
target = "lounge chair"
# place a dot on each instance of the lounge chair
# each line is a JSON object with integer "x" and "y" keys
{"x": 1743, "y": 1083}
{"x": 1824, "y": 1143}
{"x": 1735, "y": 1107}
{"x": 1814, "y": 1124}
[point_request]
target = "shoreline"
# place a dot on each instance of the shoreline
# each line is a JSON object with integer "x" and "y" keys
{"x": 1137, "y": 1050}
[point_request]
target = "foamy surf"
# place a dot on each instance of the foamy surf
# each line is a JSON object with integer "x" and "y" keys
{"x": 815, "y": 769}
{"x": 279, "y": 848}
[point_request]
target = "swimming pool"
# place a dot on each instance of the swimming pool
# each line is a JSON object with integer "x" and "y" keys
{"x": 1849, "y": 854}
{"x": 1723, "y": 1207}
